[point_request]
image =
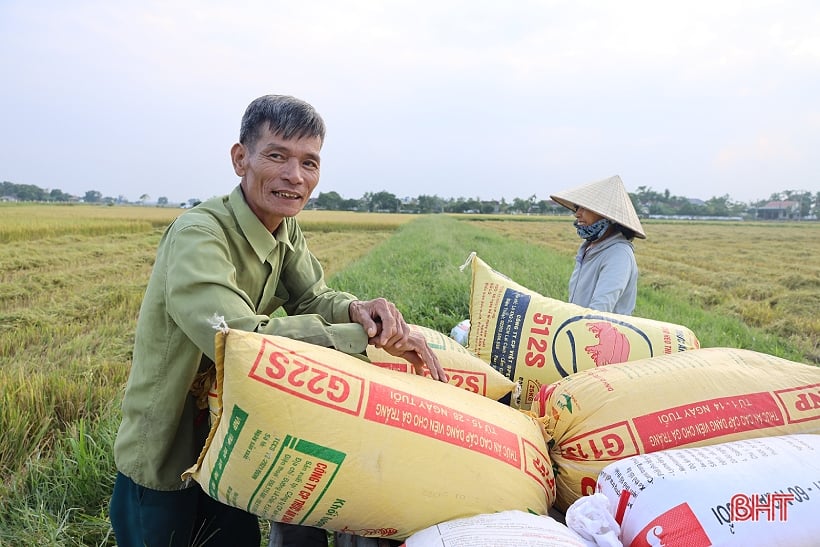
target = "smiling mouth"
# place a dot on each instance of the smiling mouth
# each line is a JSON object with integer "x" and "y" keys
{"x": 286, "y": 195}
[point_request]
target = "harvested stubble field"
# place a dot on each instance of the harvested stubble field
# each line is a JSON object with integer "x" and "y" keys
{"x": 72, "y": 278}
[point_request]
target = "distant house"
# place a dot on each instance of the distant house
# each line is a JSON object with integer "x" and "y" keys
{"x": 491, "y": 206}
{"x": 779, "y": 210}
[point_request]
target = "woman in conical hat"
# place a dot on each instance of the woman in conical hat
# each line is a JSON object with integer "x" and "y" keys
{"x": 605, "y": 277}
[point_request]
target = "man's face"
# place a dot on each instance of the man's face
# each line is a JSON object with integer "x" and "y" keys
{"x": 278, "y": 175}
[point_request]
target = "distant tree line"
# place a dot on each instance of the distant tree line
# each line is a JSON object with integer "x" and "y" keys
{"x": 646, "y": 201}
{"x": 29, "y": 192}
{"x": 651, "y": 202}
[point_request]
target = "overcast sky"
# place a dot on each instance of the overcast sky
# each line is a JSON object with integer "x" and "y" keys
{"x": 453, "y": 98}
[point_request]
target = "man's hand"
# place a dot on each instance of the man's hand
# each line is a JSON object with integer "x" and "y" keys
{"x": 386, "y": 329}
{"x": 420, "y": 355}
{"x": 382, "y": 321}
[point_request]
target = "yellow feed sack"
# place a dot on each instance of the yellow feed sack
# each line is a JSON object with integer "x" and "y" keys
{"x": 308, "y": 435}
{"x": 464, "y": 369}
{"x": 697, "y": 398}
{"x": 536, "y": 340}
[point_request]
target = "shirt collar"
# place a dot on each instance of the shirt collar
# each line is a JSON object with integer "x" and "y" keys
{"x": 259, "y": 238}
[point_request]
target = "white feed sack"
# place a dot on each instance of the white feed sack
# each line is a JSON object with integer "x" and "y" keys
{"x": 752, "y": 492}
{"x": 503, "y": 529}
{"x": 461, "y": 332}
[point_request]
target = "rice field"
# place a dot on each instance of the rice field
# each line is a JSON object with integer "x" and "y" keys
{"x": 72, "y": 278}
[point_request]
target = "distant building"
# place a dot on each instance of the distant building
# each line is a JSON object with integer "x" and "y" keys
{"x": 779, "y": 210}
{"x": 490, "y": 207}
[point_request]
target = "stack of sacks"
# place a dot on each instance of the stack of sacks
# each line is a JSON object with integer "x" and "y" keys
{"x": 535, "y": 340}
{"x": 696, "y": 398}
{"x": 763, "y": 491}
{"x": 312, "y": 436}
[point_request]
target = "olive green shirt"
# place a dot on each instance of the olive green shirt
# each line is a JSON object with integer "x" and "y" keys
{"x": 217, "y": 258}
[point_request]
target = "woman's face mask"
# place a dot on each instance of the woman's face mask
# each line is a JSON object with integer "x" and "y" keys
{"x": 594, "y": 231}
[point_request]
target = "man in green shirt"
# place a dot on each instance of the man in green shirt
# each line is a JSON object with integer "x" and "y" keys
{"x": 241, "y": 257}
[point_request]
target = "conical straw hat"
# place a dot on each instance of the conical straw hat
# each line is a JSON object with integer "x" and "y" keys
{"x": 606, "y": 197}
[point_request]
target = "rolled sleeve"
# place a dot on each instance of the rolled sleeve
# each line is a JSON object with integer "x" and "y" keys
{"x": 313, "y": 329}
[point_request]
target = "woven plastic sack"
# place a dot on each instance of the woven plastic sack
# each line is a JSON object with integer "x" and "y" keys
{"x": 461, "y": 332}
{"x": 696, "y": 398}
{"x": 312, "y": 436}
{"x": 503, "y": 529}
{"x": 535, "y": 340}
{"x": 752, "y": 492}
{"x": 464, "y": 369}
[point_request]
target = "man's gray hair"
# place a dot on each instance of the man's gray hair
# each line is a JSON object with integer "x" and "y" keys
{"x": 286, "y": 116}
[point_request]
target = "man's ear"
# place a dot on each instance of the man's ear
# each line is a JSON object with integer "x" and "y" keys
{"x": 238, "y": 155}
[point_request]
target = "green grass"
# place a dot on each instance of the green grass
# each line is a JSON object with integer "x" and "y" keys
{"x": 62, "y": 499}
{"x": 419, "y": 269}
{"x": 428, "y": 253}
